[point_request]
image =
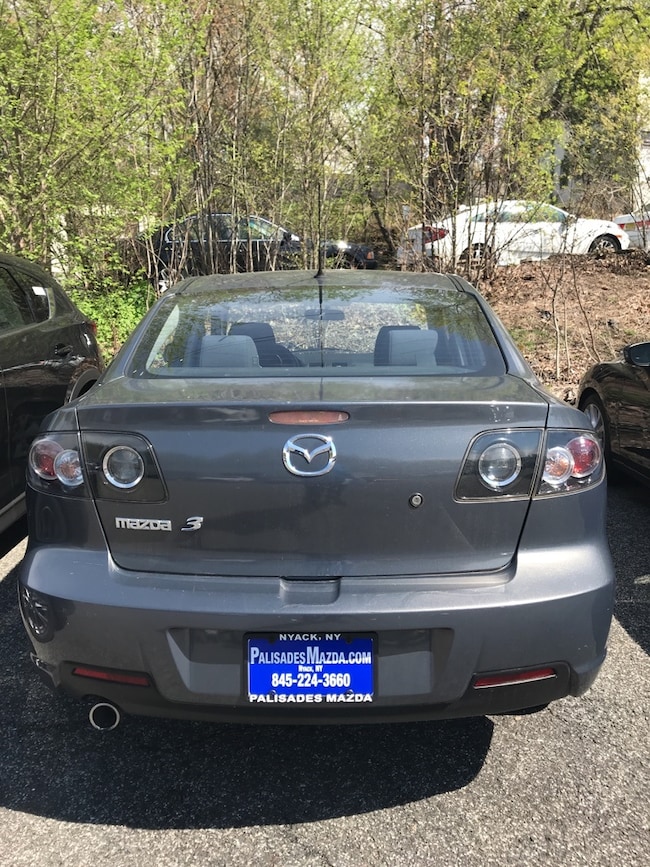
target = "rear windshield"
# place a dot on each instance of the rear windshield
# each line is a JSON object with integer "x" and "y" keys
{"x": 296, "y": 332}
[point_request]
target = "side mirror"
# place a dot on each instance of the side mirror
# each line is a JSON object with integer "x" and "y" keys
{"x": 637, "y": 354}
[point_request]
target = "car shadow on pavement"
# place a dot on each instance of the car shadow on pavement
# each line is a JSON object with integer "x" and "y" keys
{"x": 157, "y": 774}
{"x": 628, "y": 524}
{"x": 11, "y": 537}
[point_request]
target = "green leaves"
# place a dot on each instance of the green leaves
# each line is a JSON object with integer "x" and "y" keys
{"x": 332, "y": 117}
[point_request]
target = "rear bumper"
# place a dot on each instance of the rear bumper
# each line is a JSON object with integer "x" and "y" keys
{"x": 433, "y": 635}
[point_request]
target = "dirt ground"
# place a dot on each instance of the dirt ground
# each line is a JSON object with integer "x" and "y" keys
{"x": 568, "y": 312}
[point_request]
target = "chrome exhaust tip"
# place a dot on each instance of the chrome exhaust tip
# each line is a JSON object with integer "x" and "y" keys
{"x": 104, "y": 716}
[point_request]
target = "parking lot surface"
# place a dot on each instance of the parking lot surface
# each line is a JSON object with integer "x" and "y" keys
{"x": 570, "y": 785}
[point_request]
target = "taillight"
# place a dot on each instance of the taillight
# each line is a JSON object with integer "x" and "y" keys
{"x": 433, "y": 233}
{"x": 41, "y": 457}
{"x": 524, "y": 463}
{"x": 55, "y": 464}
{"x": 573, "y": 460}
{"x": 500, "y": 464}
{"x": 122, "y": 466}
{"x": 111, "y": 466}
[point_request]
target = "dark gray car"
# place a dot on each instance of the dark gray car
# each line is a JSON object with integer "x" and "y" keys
{"x": 294, "y": 492}
{"x": 48, "y": 355}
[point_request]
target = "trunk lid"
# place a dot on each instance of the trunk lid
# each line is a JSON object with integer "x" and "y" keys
{"x": 231, "y": 506}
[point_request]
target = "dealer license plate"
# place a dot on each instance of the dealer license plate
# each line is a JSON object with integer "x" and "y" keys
{"x": 310, "y": 668}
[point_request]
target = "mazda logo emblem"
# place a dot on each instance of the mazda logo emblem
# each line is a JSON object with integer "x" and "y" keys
{"x": 300, "y": 452}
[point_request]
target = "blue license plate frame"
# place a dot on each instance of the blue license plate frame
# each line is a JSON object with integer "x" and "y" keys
{"x": 318, "y": 668}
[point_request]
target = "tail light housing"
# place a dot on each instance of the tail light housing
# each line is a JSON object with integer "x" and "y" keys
{"x": 433, "y": 233}
{"x": 500, "y": 464}
{"x": 55, "y": 465}
{"x": 106, "y": 465}
{"x": 573, "y": 460}
{"x": 525, "y": 463}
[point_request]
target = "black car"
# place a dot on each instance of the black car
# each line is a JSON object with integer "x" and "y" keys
{"x": 616, "y": 397}
{"x": 48, "y": 356}
{"x": 222, "y": 244}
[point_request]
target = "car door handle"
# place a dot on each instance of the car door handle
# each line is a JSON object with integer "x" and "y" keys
{"x": 61, "y": 350}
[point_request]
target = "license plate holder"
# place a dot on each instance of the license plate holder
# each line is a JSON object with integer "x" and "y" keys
{"x": 320, "y": 668}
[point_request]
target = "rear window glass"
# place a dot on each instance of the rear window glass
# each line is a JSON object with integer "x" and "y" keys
{"x": 295, "y": 332}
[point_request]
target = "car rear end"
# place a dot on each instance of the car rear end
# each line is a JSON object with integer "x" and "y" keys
{"x": 401, "y": 525}
{"x": 636, "y": 226}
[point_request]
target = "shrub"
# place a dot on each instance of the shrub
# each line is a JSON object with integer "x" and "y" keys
{"x": 116, "y": 310}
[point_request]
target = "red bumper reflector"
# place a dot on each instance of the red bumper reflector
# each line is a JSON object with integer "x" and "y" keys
{"x": 308, "y": 417}
{"x": 111, "y": 676}
{"x": 514, "y": 677}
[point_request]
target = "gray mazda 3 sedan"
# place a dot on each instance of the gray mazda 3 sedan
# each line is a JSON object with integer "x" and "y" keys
{"x": 308, "y": 498}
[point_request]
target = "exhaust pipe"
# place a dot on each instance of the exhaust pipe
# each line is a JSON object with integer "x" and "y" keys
{"x": 104, "y": 716}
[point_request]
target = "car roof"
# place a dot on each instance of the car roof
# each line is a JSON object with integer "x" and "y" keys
{"x": 13, "y": 261}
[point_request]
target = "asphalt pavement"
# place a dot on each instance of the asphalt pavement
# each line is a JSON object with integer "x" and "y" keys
{"x": 567, "y": 786}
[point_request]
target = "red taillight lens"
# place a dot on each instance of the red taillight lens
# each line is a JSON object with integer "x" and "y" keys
{"x": 586, "y": 454}
{"x": 433, "y": 233}
{"x": 41, "y": 457}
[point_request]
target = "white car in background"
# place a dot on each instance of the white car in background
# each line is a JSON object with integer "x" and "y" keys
{"x": 514, "y": 231}
{"x": 416, "y": 243}
{"x": 637, "y": 226}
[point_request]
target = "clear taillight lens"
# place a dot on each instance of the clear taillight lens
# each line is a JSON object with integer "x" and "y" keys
{"x": 123, "y": 467}
{"x": 67, "y": 468}
{"x": 500, "y": 464}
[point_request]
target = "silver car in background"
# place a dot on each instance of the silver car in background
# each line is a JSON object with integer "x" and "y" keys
{"x": 306, "y": 498}
{"x": 637, "y": 225}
